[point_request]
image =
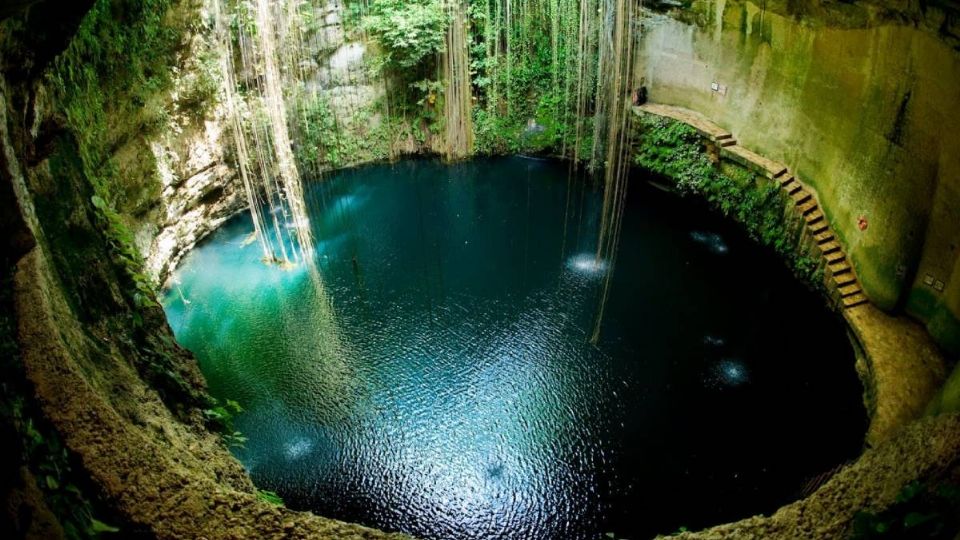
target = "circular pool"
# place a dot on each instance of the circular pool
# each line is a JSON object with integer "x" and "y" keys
{"x": 438, "y": 377}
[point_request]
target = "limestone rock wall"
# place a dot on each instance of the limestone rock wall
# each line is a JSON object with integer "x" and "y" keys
{"x": 194, "y": 187}
{"x": 861, "y": 103}
{"x": 338, "y": 65}
{"x": 200, "y": 190}
{"x": 82, "y": 349}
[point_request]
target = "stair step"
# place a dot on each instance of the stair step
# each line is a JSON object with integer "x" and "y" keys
{"x": 830, "y": 246}
{"x": 849, "y": 290}
{"x": 807, "y": 207}
{"x": 834, "y": 257}
{"x": 823, "y": 237}
{"x": 813, "y": 217}
{"x": 786, "y": 179}
{"x": 838, "y": 268}
{"x": 793, "y": 188}
{"x": 801, "y": 196}
{"x": 844, "y": 279}
{"x": 726, "y": 143}
{"x": 855, "y": 300}
{"x": 818, "y": 227}
{"x": 723, "y": 136}
{"x": 780, "y": 173}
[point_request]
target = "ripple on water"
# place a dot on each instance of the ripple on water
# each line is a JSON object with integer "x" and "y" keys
{"x": 451, "y": 392}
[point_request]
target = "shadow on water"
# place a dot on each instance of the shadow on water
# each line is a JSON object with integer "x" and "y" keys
{"x": 442, "y": 383}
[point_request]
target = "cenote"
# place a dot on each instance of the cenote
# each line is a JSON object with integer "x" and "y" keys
{"x": 437, "y": 377}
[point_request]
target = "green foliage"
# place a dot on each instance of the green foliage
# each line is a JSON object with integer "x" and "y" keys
{"x": 112, "y": 84}
{"x": 270, "y": 497}
{"x": 35, "y": 444}
{"x": 121, "y": 243}
{"x": 526, "y": 91}
{"x": 323, "y": 141}
{"x": 319, "y": 135}
{"x": 427, "y": 93}
{"x": 920, "y": 511}
{"x": 530, "y": 83}
{"x": 493, "y": 133}
{"x": 50, "y": 461}
{"x": 243, "y": 18}
{"x": 408, "y": 31}
{"x": 201, "y": 88}
{"x": 674, "y": 150}
{"x": 220, "y": 417}
{"x": 109, "y": 81}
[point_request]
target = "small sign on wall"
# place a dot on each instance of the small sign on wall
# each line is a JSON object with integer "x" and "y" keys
{"x": 934, "y": 283}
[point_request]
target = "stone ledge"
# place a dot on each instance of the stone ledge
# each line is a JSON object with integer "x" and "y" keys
{"x": 901, "y": 366}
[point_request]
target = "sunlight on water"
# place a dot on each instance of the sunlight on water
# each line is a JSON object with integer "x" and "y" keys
{"x": 587, "y": 264}
{"x": 712, "y": 241}
{"x": 297, "y": 448}
{"x": 437, "y": 378}
{"x": 727, "y": 373}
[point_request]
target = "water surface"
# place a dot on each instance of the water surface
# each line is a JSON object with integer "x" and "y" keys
{"x": 438, "y": 380}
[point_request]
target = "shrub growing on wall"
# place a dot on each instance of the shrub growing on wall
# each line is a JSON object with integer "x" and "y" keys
{"x": 674, "y": 150}
{"x": 408, "y": 31}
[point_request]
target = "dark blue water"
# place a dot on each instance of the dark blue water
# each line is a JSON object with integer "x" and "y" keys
{"x": 439, "y": 381}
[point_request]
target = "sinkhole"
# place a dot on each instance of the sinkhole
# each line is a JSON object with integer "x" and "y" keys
{"x": 436, "y": 375}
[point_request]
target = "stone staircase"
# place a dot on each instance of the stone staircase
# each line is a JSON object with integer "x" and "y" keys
{"x": 840, "y": 275}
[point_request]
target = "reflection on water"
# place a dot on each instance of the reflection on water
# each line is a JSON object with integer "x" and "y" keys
{"x": 729, "y": 372}
{"x": 712, "y": 241}
{"x": 587, "y": 264}
{"x": 440, "y": 381}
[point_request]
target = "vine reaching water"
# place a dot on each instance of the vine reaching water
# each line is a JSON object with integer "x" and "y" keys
{"x": 618, "y": 70}
{"x": 458, "y": 113}
{"x": 270, "y": 176}
{"x": 551, "y": 76}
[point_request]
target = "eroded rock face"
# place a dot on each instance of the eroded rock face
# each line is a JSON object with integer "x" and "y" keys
{"x": 340, "y": 68}
{"x": 82, "y": 349}
{"x": 200, "y": 190}
{"x": 196, "y": 184}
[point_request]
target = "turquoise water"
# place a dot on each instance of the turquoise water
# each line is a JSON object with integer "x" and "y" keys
{"x": 437, "y": 379}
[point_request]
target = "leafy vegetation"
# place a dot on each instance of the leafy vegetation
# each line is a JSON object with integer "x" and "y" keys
{"x": 326, "y": 142}
{"x": 521, "y": 67}
{"x": 220, "y": 416}
{"x": 112, "y": 88}
{"x": 270, "y": 497}
{"x": 408, "y": 31}
{"x": 919, "y": 512}
{"x": 520, "y": 59}
{"x": 201, "y": 85}
{"x": 674, "y": 150}
{"x": 109, "y": 82}
{"x": 31, "y": 442}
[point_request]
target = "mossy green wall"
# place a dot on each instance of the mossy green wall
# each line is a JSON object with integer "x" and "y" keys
{"x": 864, "y": 113}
